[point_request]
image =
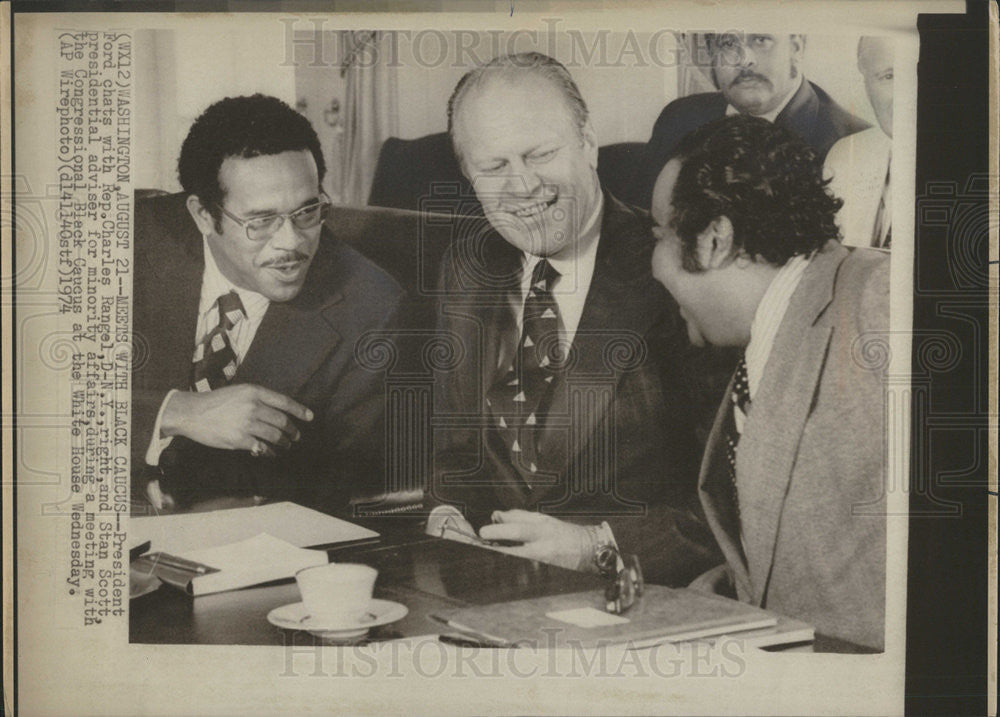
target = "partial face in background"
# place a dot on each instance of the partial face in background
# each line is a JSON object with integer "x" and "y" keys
{"x": 534, "y": 170}
{"x": 756, "y": 72}
{"x": 275, "y": 266}
{"x": 875, "y": 61}
{"x": 705, "y": 299}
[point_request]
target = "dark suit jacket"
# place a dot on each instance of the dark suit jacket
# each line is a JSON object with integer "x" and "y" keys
{"x": 303, "y": 348}
{"x": 811, "y": 113}
{"x": 617, "y": 444}
{"x": 810, "y": 467}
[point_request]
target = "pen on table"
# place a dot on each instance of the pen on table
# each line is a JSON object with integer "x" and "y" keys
{"x": 467, "y": 637}
{"x": 136, "y": 552}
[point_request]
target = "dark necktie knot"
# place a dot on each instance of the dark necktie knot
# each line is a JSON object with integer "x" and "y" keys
{"x": 214, "y": 361}
{"x": 543, "y": 276}
{"x": 231, "y": 310}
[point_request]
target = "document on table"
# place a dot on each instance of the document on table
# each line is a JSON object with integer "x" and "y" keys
{"x": 256, "y": 560}
{"x": 302, "y": 527}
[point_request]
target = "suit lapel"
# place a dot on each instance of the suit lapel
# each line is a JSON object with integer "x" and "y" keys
{"x": 622, "y": 303}
{"x": 713, "y": 484}
{"x": 767, "y": 450}
{"x": 296, "y": 336}
{"x": 800, "y": 114}
{"x": 178, "y": 263}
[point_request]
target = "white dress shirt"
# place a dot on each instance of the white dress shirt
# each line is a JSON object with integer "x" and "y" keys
{"x": 575, "y": 273}
{"x": 766, "y": 322}
{"x": 214, "y": 285}
{"x": 773, "y": 114}
{"x": 570, "y": 293}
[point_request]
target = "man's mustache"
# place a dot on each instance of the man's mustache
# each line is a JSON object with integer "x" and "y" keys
{"x": 748, "y": 75}
{"x": 286, "y": 259}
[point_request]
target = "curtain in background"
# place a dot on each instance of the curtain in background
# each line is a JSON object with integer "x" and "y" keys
{"x": 158, "y": 129}
{"x": 369, "y": 109}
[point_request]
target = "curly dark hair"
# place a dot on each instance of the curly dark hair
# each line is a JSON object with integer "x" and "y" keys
{"x": 760, "y": 176}
{"x": 245, "y": 127}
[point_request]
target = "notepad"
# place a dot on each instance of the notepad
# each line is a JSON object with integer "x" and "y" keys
{"x": 256, "y": 560}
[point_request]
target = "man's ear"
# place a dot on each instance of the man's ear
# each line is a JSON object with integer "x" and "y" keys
{"x": 715, "y": 243}
{"x": 202, "y": 217}
{"x": 798, "y": 47}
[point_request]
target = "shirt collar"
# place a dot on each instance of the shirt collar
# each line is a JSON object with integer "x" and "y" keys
{"x": 769, "y": 315}
{"x": 214, "y": 284}
{"x": 773, "y": 114}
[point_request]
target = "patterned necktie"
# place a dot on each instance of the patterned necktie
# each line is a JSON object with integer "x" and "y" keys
{"x": 516, "y": 399}
{"x": 214, "y": 361}
{"x": 740, "y": 401}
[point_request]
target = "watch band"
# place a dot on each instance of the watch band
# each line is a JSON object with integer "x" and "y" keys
{"x": 605, "y": 556}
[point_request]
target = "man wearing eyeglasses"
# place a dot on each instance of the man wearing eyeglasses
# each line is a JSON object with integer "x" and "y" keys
{"x": 757, "y": 75}
{"x": 247, "y": 317}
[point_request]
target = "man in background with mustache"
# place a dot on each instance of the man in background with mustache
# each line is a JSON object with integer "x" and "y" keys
{"x": 246, "y": 314}
{"x": 757, "y": 75}
{"x": 561, "y": 427}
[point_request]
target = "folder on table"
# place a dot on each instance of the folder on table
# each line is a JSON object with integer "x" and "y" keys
{"x": 579, "y": 620}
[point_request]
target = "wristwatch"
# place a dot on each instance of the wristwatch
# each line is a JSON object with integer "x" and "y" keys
{"x": 606, "y": 558}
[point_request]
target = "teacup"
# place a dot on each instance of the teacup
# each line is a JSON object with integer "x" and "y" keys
{"x": 338, "y": 593}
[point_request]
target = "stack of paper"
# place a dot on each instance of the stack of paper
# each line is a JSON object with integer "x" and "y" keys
{"x": 209, "y": 552}
{"x": 292, "y": 523}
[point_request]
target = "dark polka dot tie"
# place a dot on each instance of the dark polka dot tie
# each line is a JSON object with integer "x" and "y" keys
{"x": 739, "y": 401}
{"x": 214, "y": 361}
{"x": 517, "y": 400}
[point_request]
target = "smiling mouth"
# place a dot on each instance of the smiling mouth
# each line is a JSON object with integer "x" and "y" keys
{"x": 532, "y": 209}
{"x": 288, "y": 269}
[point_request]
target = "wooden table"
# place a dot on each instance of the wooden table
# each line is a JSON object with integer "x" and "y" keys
{"x": 424, "y": 573}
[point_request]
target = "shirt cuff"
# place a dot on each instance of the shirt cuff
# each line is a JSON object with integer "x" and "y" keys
{"x": 158, "y": 443}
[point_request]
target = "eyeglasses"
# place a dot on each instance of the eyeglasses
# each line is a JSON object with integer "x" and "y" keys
{"x": 732, "y": 48}
{"x": 260, "y": 229}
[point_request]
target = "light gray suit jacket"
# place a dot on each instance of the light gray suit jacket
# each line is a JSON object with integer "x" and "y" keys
{"x": 811, "y": 460}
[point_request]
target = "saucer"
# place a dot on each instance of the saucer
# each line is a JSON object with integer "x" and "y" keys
{"x": 296, "y": 617}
